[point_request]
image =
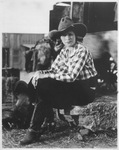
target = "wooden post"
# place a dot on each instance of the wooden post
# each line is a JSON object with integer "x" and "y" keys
{"x": 71, "y": 10}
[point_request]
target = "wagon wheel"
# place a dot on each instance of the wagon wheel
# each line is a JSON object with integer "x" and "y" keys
{"x": 110, "y": 83}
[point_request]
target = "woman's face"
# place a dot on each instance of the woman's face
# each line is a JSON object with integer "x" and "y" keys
{"x": 69, "y": 38}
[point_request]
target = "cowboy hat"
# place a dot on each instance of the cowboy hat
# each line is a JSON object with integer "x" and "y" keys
{"x": 67, "y": 24}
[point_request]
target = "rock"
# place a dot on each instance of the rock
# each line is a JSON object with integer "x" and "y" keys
{"x": 79, "y": 136}
{"x": 99, "y": 115}
{"x": 84, "y": 132}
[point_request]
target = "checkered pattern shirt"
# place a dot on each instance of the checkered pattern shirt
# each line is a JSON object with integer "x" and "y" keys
{"x": 76, "y": 64}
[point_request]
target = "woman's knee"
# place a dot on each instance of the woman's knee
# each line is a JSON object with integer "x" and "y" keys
{"x": 45, "y": 84}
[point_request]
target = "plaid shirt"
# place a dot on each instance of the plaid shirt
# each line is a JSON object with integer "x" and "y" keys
{"x": 76, "y": 64}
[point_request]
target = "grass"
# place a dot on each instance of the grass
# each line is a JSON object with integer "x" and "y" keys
{"x": 62, "y": 138}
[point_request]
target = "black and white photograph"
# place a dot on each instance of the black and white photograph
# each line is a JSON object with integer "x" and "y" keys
{"x": 59, "y": 84}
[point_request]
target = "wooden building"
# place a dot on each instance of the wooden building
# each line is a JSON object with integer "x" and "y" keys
{"x": 13, "y": 48}
{"x": 98, "y": 16}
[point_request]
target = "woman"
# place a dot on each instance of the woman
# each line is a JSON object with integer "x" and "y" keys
{"x": 70, "y": 81}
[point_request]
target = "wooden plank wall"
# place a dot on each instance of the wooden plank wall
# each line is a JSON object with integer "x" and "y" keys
{"x": 13, "y": 42}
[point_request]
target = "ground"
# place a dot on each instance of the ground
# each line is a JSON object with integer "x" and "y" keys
{"x": 63, "y": 137}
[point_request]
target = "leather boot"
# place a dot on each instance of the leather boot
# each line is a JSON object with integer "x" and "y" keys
{"x": 30, "y": 137}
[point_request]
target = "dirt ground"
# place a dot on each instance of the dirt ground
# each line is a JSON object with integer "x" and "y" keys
{"x": 63, "y": 137}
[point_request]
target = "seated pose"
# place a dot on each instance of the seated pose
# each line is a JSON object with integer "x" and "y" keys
{"x": 70, "y": 80}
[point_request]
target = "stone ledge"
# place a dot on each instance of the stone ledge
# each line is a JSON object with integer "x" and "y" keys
{"x": 99, "y": 115}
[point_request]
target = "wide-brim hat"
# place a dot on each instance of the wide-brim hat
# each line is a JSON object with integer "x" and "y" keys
{"x": 67, "y": 24}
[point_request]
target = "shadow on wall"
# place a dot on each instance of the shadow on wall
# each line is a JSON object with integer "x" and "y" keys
{"x": 101, "y": 42}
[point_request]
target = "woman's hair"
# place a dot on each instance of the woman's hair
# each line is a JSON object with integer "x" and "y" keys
{"x": 79, "y": 39}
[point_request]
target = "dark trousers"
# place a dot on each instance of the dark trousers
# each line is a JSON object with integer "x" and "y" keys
{"x": 51, "y": 93}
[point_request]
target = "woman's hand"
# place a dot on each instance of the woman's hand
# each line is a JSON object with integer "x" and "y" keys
{"x": 38, "y": 75}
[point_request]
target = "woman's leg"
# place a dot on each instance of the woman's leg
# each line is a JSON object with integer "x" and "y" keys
{"x": 52, "y": 93}
{"x": 62, "y": 94}
{"x": 38, "y": 116}
{"x": 41, "y": 111}
{"x": 84, "y": 91}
